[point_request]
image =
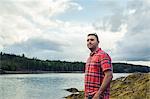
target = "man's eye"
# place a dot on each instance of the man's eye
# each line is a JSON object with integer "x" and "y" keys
{"x": 92, "y": 39}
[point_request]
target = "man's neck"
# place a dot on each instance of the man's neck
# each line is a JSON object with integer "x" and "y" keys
{"x": 93, "y": 50}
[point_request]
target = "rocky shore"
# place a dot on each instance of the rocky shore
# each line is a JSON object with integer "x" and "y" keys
{"x": 134, "y": 86}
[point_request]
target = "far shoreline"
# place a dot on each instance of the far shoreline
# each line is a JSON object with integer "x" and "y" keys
{"x": 37, "y": 72}
{"x": 45, "y": 72}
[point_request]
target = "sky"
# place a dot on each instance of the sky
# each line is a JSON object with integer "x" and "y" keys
{"x": 57, "y": 29}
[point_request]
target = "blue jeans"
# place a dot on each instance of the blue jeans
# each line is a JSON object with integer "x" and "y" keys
{"x": 90, "y": 96}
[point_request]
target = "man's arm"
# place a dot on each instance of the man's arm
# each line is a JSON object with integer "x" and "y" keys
{"x": 106, "y": 81}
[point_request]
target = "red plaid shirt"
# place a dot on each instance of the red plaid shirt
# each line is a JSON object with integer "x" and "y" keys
{"x": 97, "y": 63}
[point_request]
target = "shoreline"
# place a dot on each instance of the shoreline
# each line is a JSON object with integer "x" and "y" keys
{"x": 37, "y": 72}
{"x": 43, "y": 72}
{"x": 3, "y": 72}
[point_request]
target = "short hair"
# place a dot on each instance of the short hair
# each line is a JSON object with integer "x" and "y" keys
{"x": 94, "y": 34}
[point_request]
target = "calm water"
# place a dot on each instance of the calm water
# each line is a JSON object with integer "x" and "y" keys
{"x": 41, "y": 86}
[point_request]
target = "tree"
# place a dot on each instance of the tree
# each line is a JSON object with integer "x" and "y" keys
{"x": 23, "y": 55}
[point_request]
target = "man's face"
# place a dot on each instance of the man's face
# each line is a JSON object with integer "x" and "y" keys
{"x": 92, "y": 42}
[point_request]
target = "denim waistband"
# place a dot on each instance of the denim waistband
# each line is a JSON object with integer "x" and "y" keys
{"x": 90, "y": 96}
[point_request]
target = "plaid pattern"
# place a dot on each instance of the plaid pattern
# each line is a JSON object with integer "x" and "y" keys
{"x": 97, "y": 63}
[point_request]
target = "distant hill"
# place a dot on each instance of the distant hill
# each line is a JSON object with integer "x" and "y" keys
{"x": 129, "y": 68}
{"x": 11, "y": 63}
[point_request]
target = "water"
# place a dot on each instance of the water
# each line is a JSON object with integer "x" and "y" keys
{"x": 41, "y": 86}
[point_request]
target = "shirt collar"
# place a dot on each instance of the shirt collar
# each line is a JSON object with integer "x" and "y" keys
{"x": 96, "y": 51}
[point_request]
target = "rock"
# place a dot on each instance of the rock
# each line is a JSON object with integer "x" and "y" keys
{"x": 72, "y": 90}
{"x": 76, "y": 96}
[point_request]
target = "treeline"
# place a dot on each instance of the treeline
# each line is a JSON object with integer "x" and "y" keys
{"x": 129, "y": 68}
{"x": 12, "y": 62}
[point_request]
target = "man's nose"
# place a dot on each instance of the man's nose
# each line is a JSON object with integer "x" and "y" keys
{"x": 89, "y": 42}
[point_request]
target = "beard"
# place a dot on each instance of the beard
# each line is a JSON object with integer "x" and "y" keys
{"x": 92, "y": 47}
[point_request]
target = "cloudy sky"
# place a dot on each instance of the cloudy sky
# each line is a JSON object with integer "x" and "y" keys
{"x": 57, "y": 29}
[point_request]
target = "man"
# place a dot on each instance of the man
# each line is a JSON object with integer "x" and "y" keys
{"x": 98, "y": 71}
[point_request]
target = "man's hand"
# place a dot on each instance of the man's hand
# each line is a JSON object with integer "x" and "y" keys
{"x": 98, "y": 96}
{"x": 107, "y": 79}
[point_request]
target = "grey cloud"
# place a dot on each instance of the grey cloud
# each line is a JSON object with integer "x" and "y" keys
{"x": 113, "y": 21}
{"x": 135, "y": 43}
{"x": 134, "y": 48}
{"x": 116, "y": 22}
{"x": 34, "y": 45}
